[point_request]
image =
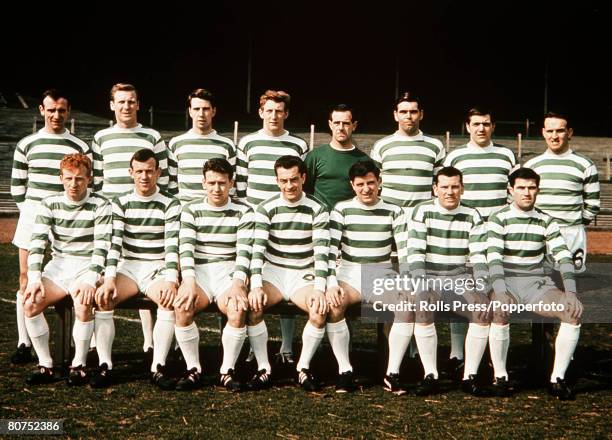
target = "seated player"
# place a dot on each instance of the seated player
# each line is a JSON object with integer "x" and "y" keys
{"x": 289, "y": 262}
{"x": 80, "y": 224}
{"x": 145, "y": 237}
{"x": 519, "y": 240}
{"x": 362, "y": 231}
{"x": 215, "y": 253}
{"x": 445, "y": 235}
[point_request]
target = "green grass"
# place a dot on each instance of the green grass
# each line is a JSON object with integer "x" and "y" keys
{"x": 134, "y": 409}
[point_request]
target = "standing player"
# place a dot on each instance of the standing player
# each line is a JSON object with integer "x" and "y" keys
{"x": 112, "y": 150}
{"x": 35, "y": 177}
{"x": 445, "y": 235}
{"x": 328, "y": 165}
{"x": 485, "y": 167}
{"x": 408, "y": 159}
{"x": 519, "y": 239}
{"x": 189, "y": 151}
{"x": 145, "y": 237}
{"x": 363, "y": 230}
{"x": 569, "y": 186}
{"x": 215, "y": 249}
{"x": 81, "y": 225}
{"x": 290, "y": 257}
{"x": 255, "y": 177}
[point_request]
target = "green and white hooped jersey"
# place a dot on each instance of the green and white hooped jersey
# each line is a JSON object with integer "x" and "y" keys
{"x": 518, "y": 243}
{"x": 188, "y": 154}
{"x": 257, "y": 152}
{"x": 211, "y": 234}
{"x": 442, "y": 242}
{"x": 485, "y": 175}
{"x": 36, "y": 164}
{"x": 407, "y": 164}
{"x": 291, "y": 235}
{"x": 79, "y": 229}
{"x": 145, "y": 229}
{"x": 362, "y": 234}
{"x": 569, "y": 186}
{"x": 112, "y": 150}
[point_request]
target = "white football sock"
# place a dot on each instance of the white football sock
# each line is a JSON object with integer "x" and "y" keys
{"x": 399, "y": 338}
{"x": 104, "y": 327}
{"x": 565, "y": 344}
{"x": 427, "y": 340}
{"x": 146, "y": 320}
{"x": 458, "y": 331}
{"x": 188, "y": 339}
{"x": 258, "y": 338}
{"x": 475, "y": 345}
{"x": 499, "y": 341}
{"x": 81, "y": 333}
{"x": 38, "y": 329}
{"x": 287, "y": 325}
{"x": 22, "y": 332}
{"x": 339, "y": 338}
{"x": 232, "y": 339}
{"x": 311, "y": 338}
{"x": 163, "y": 332}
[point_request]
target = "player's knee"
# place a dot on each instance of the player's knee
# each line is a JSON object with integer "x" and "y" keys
{"x": 236, "y": 318}
{"x": 31, "y": 309}
{"x": 316, "y": 319}
{"x": 183, "y": 317}
{"x": 253, "y": 317}
{"x": 336, "y": 314}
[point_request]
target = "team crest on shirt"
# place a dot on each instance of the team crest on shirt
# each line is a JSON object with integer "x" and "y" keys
{"x": 308, "y": 277}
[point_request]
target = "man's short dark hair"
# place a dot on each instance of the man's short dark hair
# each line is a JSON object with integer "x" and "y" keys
{"x": 201, "y": 94}
{"x": 288, "y": 162}
{"x": 448, "y": 172}
{"x": 144, "y": 155}
{"x": 557, "y": 115}
{"x": 122, "y": 87}
{"x": 407, "y": 97}
{"x": 55, "y": 94}
{"x": 218, "y": 165}
{"x": 524, "y": 173}
{"x": 479, "y": 111}
{"x": 342, "y": 108}
{"x": 362, "y": 168}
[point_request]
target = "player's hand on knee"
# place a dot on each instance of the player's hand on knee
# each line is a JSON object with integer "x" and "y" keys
{"x": 167, "y": 293}
{"x": 238, "y": 294}
{"x": 334, "y": 296}
{"x": 573, "y": 305}
{"x": 318, "y": 303}
{"x": 84, "y": 293}
{"x": 257, "y": 299}
{"x": 506, "y": 298}
{"x": 31, "y": 291}
{"x": 107, "y": 292}
{"x": 186, "y": 295}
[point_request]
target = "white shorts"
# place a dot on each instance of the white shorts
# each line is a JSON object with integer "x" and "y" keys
{"x": 25, "y": 225}
{"x": 355, "y": 275}
{"x": 214, "y": 278}
{"x": 66, "y": 273}
{"x": 530, "y": 289}
{"x": 287, "y": 281}
{"x": 143, "y": 273}
{"x": 576, "y": 240}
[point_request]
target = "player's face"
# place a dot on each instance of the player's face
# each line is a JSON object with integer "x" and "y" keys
{"x": 55, "y": 113}
{"x": 75, "y": 181}
{"x": 557, "y": 135}
{"x": 125, "y": 105}
{"x": 217, "y": 186}
{"x": 342, "y": 127}
{"x": 481, "y": 129}
{"x": 145, "y": 176}
{"x": 524, "y": 193}
{"x": 202, "y": 114}
{"x": 366, "y": 188}
{"x": 290, "y": 183}
{"x": 273, "y": 115}
{"x": 448, "y": 190}
{"x": 408, "y": 117}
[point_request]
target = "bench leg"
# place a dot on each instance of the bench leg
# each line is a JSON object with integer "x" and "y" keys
{"x": 63, "y": 334}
